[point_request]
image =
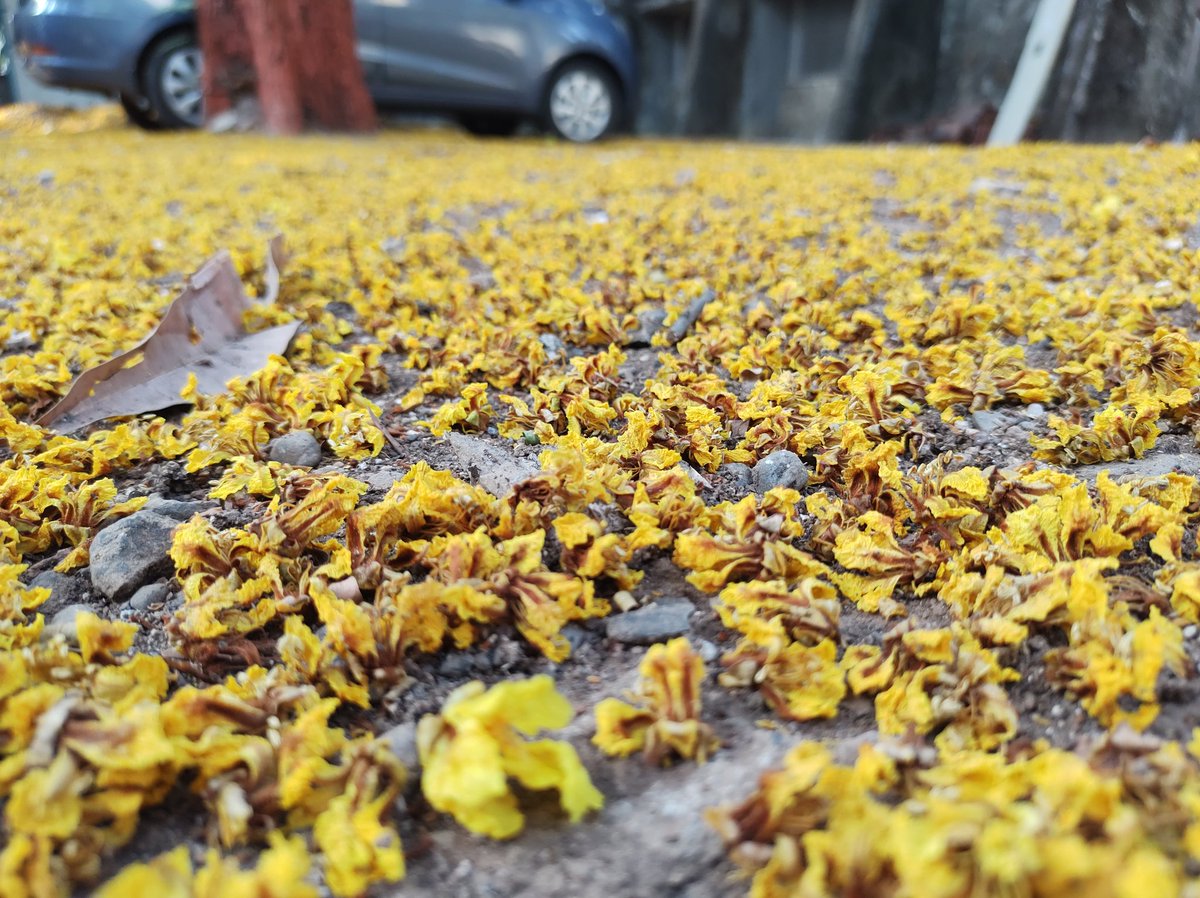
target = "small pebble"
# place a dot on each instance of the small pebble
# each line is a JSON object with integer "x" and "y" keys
{"x": 624, "y": 600}
{"x": 174, "y": 508}
{"x": 576, "y": 635}
{"x": 988, "y": 421}
{"x": 456, "y": 664}
{"x": 402, "y": 740}
{"x": 65, "y": 623}
{"x": 650, "y": 624}
{"x": 781, "y": 468}
{"x": 552, "y": 344}
{"x": 150, "y": 594}
{"x": 707, "y": 651}
{"x": 1190, "y": 631}
{"x": 1036, "y": 410}
{"x": 298, "y": 448}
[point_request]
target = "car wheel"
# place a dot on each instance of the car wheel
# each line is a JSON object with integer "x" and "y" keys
{"x": 490, "y": 124}
{"x": 137, "y": 110}
{"x": 172, "y": 79}
{"x": 583, "y": 102}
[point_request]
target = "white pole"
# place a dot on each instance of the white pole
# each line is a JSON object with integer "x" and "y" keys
{"x": 1045, "y": 36}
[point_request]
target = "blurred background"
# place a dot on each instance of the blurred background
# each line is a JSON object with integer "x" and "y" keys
{"x": 818, "y": 71}
{"x": 834, "y": 70}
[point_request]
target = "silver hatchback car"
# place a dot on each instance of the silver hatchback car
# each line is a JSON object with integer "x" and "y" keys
{"x": 567, "y": 64}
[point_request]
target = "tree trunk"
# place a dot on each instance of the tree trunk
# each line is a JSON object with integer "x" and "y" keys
{"x": 228, "y": 67}
{"x": 298, "y": 56}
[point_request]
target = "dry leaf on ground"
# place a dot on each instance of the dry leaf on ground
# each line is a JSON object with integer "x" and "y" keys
{"x": 202, "y": 333}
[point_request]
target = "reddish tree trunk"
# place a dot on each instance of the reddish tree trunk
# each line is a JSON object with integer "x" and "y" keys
{"x": 301, "y": 55}
{"x": 228, "y": 68}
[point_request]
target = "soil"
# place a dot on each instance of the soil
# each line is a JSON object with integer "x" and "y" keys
{"x": 650, "y": 839}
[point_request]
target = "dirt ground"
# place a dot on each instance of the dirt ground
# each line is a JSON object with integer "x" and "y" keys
{"x": 430, "y": 247}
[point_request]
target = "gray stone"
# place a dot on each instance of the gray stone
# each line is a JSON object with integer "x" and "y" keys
{"x": 505, "y": 653}
{"x": 401, "y": 740}
{"x": 150, "y": 594}
{"x": 783, "y": 467}
{"x": 456, "y": 664}
{"x": 178, "y": 509}
{"x": 651, "y": 623}
{"x": 298, "y": 448}
{"x": 707, "y": 651}
{"x": 63, "y": 587}
{"x": 552, "y": 344}
{"x": 490, "y": 465}
{"x": 65, "y": 623}
{"x": 1190, "y": 631}
{"x": 20, "y": 341}
{"x": 131, "y": 552}
{"x": 739, "y": 475}
{"x": 577, "y": 636}
{"x": 988, "y": 421}
{"x": 383, "y": 479}
{"x": 1156, "y": 465}
{"x": 1036, "y": 410}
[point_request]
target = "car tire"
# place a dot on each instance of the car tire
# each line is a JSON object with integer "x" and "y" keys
{"x": 583, "y": 102}
{"x": 138, "y": 111}
{"x": 172, "y": 80}
{"x": 491, "y": 124}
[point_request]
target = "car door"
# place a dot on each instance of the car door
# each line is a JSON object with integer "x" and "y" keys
{"x": 458, "y": 53}
{"x": 370, "y": 44}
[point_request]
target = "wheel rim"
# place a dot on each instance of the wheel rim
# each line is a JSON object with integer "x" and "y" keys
{"x": 581, "y": 105}
{"x": 180, "y": 83}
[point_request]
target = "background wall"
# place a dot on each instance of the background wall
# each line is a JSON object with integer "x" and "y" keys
{"x": 817, "y": 70}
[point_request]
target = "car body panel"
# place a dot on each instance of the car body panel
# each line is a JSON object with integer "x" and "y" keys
{"x": 451, "y": 55}
{"x": 93, "y": 44}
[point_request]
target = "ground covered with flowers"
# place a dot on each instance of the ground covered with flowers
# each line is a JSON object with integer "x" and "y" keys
{"x": 692, "y": 520}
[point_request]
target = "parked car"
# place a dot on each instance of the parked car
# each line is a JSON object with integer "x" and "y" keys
{"x": 567, "y": 64}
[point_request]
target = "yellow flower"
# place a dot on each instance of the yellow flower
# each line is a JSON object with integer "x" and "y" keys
{"x": 666, "y": 719}
{"x": 799, "y": 682}
{"x": 475, "y": 745}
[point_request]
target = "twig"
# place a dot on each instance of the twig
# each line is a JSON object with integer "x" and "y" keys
{"x": 383, "y": 430}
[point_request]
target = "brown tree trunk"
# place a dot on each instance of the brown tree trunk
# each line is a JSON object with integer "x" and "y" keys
{"x": 301, "y": 56}
{"x": 228, "y": 68}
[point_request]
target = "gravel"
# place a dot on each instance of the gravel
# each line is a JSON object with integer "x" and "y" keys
{"x": 740, "y": 476}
